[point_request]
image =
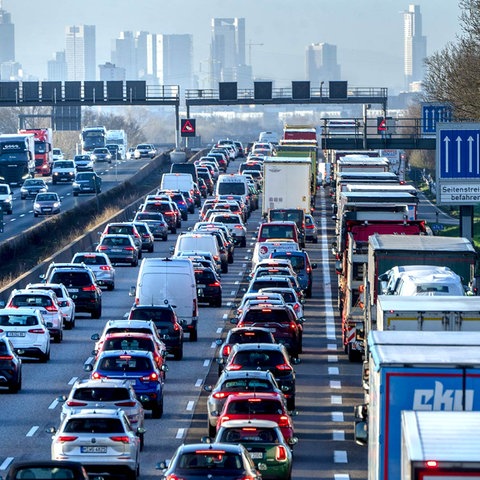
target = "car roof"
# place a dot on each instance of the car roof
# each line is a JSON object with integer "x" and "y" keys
{"x": 19, "y": 311}
{"x": 102, "y": 383}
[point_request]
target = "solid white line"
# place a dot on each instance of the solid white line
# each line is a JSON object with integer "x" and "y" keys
{"x": 236, "y": 282}
{"x": 336, "y": 400}
{"x": 32, "y": 431}
{"x": 199, "y": 382}
{"x": 206, "y": 363}
{"x": 335, "y": 384}
{"x": 333, "y": 371}
{"x": 190, "y": 405}
{"x": 72, "y": 380}
{"x": 180, "y": 433}
{"x": 338, "y": 435}
{"x": 340, "y": 456}
{"x": 332, "y": 358}
{"x": 53, "y": 405}
{"x": 337, "y": 417}
{"x": 6, "y": 463}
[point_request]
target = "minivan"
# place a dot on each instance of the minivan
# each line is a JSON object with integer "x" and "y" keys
{"x": 182, "y": 182}
{"x": 169, "y": 281}
{"x": 232, "y": 184}
{"x": 185, "y": 168}
{"x": 192, "y": 242}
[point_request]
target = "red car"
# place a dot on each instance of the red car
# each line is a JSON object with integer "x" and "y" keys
{"x": 261, "y": 406}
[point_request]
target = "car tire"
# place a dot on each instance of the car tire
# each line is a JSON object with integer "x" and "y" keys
{"x": 59, "y": 337}
{"x": 16, "y": 386}
{"x": 35, "y": 214}
{"x": 45, "y": 357}
{"x": 193, "y": 335}
{"x": 22, "y": 197}
{"x": 165, "y": 238}
{"x": 308, "y": 292}
{"x": 291, "y": 403}
{"x": 230, "y": 258}
{"x": 75, "y": 194}
{"x": 110, "y": 287}
{"x": 135, "y": 263}
{"x": 184, "y": 216}
{"x": 354, "y": 356}
{"x": 10, "y": 211}
{"x": 173, "y": 230}
{"x": 157, "y": 410}
{"x": 142, "y": 441}
{"x": 97, "y": 313}
{"x": 225, "y": 267}
{"x": 212, "y": 430}
{"x": 243, "y": 243}
{"x": 315, "y": 240}
{"x": 54, "y": 182}
{"x": 178, "y": 355}
{"x": 150, "y": 249}
{"x": 217, "y": 303}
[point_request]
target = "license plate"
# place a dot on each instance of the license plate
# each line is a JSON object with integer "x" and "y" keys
{"x": 47, "y": 209}
{"x": 72, "y": 290}
{"x": 201, "y": 286}
{"x": 16, "y": 334}
{"x": 116, "y": 250}
{"x": 95, "y": 449}
{"x": 256, "y": 455}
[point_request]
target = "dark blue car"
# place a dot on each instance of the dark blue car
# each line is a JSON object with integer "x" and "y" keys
{"x": 137, "y": 366}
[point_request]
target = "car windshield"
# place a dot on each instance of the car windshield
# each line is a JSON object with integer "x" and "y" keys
{"x": 47, "y": 197}
{"x": 33, "y": 182}
{"x": 63, "y": 165}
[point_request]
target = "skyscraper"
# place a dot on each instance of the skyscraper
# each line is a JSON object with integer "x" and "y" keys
{"x": 57, "y": 68}
{"x": 321, "y": 63}
{"x": 7, "y": 36}
{"x": 124, "y": 54}
{"x": 227, "y": 50}
{"x": 80, "y": 52}
{"x": 415, "y": 46}
{"x": 175, "y": 60}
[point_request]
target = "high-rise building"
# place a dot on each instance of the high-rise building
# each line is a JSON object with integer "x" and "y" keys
{"x": 80, "y": 52}
{"x": 321, "y": 63}
{"x": 109, "y": 72}
{"x": 415, "y": 46}
{"x": 175, "y": 60}
{"x": 7, "y": 36}
{"x": 227, "y": 50}
{"x": 124, "y": 54}
{"x": 57, "y": 68}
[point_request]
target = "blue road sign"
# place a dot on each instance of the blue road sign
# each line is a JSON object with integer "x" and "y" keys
{"x": 433, "y": 113}
{"x": 458, "y": 152}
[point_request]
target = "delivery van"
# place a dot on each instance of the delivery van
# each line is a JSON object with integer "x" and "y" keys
{"x": 182, "y": 182}
{"x": 198, "y": 242}
{"x": 169, "y": 281}
{"x": 232, "y": 184}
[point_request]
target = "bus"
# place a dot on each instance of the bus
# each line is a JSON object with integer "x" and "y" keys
{"x": 92, "y": 137}
{"x": 17, "y": 158}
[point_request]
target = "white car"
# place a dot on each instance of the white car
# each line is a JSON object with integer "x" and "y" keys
{"x": 57, "y": 154}
{"x": 63, "y": 171}
{"x": 65, "y": 302}
{"x": 235, "y": 224}
{"x": 27, "y": 330}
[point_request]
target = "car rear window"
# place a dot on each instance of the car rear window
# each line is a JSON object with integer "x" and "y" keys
{"x": 71, "y": 279}
{"x": 205, "y": 462}
{"x": 90, "y": 259}
{"x": 33, "y": 301}
{"x": 101, "y": 394}
{"x": 249, "y": 435}
{"x": 262, "y": 315}
{"x": 202, "y": 276}
{"x": 127, "y": 343}
{"x": 155, "y": 314}
{"x": 122, "y": 230}
{"x": 257, "y": 358}
{"x": 125, "y": 363}
{"x": 247, "y": 384}
{"x": 257, "y": 407}
{"x": 18, "y": 320}
{"x": 277, "y": 231}
{"x": 259, "y": 284}
{"x": 297, "y": 261}
{"x": 116, "y": 242}
{"x": 94, "y": 425}
{"x": 250, "y": 337}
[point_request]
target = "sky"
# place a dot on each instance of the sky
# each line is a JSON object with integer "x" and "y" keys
{"x": 368, "y": 33}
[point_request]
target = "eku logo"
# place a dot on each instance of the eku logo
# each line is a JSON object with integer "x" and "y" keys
{"x": 442, "y": 399}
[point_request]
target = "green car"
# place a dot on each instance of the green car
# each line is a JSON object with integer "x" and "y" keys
{"x": 265, "y": 443}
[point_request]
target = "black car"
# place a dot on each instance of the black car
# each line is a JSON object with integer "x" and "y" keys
{"x": 166, "y": 321}
{"x": 81, "y": 284}
{"x": 47, "y": 470}
{"x": 114, "y": 151}
{"x": 10, "y": 366}
{"x": 209, "y": 288}
{"x": 87, "y": 182}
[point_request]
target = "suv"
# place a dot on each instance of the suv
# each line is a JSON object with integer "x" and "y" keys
{"x": 82, "y": 286}
{"x": 145, "y": 150}
{"x": 6, "y": 198}
{"x": 114, "y": 150}
{"x": 101, "y": 154}
{"x": 169, "y": 328}
{"x": 146, "y": 235}
{"x": 100, "y": 265}
{"x": 105, "y": 393}
{"x": 63, "y": 171}
{"x": 167, "y": 209}
{"x": 156, "y": 222}
{"x": 124, "y": 228}
{"x": 10, "y": 366}
{"x": 87, "y": 182}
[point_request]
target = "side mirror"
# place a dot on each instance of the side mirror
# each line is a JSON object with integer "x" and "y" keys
{"x": 218, "y": 341}
{"x": 206, "y": 440}
{"x": 88, "y": 367}
{"x": 338, "y": 267}
{"x": 172, "y": 249}
{"x": 164, "y": 368}
{"x": 314, "y": 265}
{"x": 95, "y": 337}
{"x": 208, "y": 388}
{"x": 234, "y": 320}
{"x": 61, "y": 398}
{"x": 132, "y": 291}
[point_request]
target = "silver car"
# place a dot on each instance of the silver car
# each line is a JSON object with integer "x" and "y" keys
{"x": 100, "y": 439}
{"x": 101, "y": 266}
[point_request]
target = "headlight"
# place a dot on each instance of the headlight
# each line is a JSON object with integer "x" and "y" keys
{"x": 109, "y": 156}
{"x": 75, "y": 184}
{"x": 56, "y": 204}
{"x": 8, "y": 200}
{"x": 94, "y": 157}
{"x": 43, "y": 189}
{"x": 36, "y": 205}
{"x": 70, "y": 173}
{"x": 55, "y": 173}
{"x": 24, "y": 190}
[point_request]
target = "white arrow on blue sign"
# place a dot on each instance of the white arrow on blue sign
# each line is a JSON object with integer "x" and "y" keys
{"x": 432, "y": 114}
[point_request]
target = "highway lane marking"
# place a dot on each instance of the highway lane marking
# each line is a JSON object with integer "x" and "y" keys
{"x": 332, "y": 358}
{"x": 236, "y": 282}
{"x": 240, "y": 273}
{"x": 219, "y": 330}
{"x": 190, "y": 405}
{"x": 341, "y": 476}
{"x": 229, "y": 304}
{"x": 336, "y": 400}
{"x": 199, "y": 382}
{"x": 180, "y": 433}
{"x": 225, "y": 316}
{"x": 32, "y": 431}
{"x": 213, "y": 345}
{"x": 340, "y": 456}
{"x": 338, "y": 435}
{"x": 337, "y": 417}
{"x": 333, "y": 371}
{"x": 206, "y": 363}
{"x": 331, "y": 346}
{"x": 12, "y": 219}
{"x": 244, "y": 265}
{"x": 53, "y": 405}
{"x": 233, "y": 293}
{"x": 335, "y": 384}
{"x": 72, "y": 380}
{"x": 329, "y": 315}
{"x": 6, "y": 463}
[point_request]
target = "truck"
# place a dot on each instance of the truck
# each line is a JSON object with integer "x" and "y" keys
{"x": 92, "y": 137}
{"x": 17, "y": 158}
{"x": 286, "y": 183}
{"x": 397, "y": 159}
{"x": 118, "y": 137}
{"x": 440, "y": 445}
{"x": 43, "y": 149}
{"x": 413, "y": 371}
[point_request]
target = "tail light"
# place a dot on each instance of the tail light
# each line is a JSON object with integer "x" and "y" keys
{"x": 37, "y": 330}
{"x": 51, "y": 308}
{"x": 1, "y": 330}
{"x": 105, "y": 267}
{"x": 181, "y": 202}
{"x": 102, "y": 248}
{"x": 173, "y": 476}
{"x": 238, "y": 226}
{"x": 296, "y": 307}
{"x": 280, "y": 453}
{"x": 11, "y": 305}
{"x": 129, "y": 249}
{"x": 234, "y": 366}
{"x": 308, "y": 227}
{"x": 136, "y": 235}
{"x": 284, "y": 367}
{"x": 176, "y": 326}
{"x": 309, "y": 269}
{"x": 67, "y": 438}
{"x": 168, "y": 213}
{"x": 221, "y": 395}
{"x": 125, "y": 404}
{"x": 76, "y": 403}
{"x": 153, "y": 377}
{"x": 293, "y": 326}
{"x": 224, "y": 419}
{"x": 98, "y": 376}
{"x": 226, "y": 350}
{"x": 283, "y": 421}
{"x": 216, "y": 257}
{"x": 90, "y": 288}
{"x": 214, "y": 284}
{"x": 121, "y": 438}
{"x": 6, "y": 357}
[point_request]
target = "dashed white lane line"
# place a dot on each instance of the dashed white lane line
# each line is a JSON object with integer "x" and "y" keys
{"x": 199, "y": 382}
{"x": 180, "y": 433}
{"x": 229, "y": 304}
{"x": 335, "y": 384}
{"x": 331, "y": 346}
{"x": 333, "y": 371}
{"x": 225, "y": 316}
{"x": 190, "y": 405}
{"x": 240, "y": 273}
{"x": 236, "y": 282}
{"x": 72, "y": 380}
{"x": 6, "y": 463}
{"x": 337, "y": 417}
{"x": 32, "y": 431}
{"x": 332, "y": 358}
{"x": 206, "y": 363}
{"x": 338, "y": 436}
{"x": 340, "y": 456}
{"x": 244, "y": 265}
{"x": 336, "y": 400}
{"x": 213, "y": 345}
{"x": 53, "y": 405}
{"x": 232, "y": 293}
{"x": 219, "y": 330}
{"x": 341, "y": 476}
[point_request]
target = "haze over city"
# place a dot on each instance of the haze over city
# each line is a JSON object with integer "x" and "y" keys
{"x": 368, "y": 33}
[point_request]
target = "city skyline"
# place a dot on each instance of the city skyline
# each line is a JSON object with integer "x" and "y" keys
{"x": 372, "y": 58}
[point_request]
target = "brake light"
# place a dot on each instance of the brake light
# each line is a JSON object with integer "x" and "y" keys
{"x": 1, "y": 330}
{"x": 97, "y": 376}
{"x": 224, "y": 419}
{"x": 293, "y": 326}
{"x": 121, "y": 438}
{"x": 6, "y": 357}
{"x": 75, "y": 403}
{"x": 296, "y": 307}
{"x": 309, "y": 227}
{"x": 280, "y": 453}
{"x": 284, "y": 367}
{"x": 51, "y": 308}
{"x": 125, "y": 404}
{"x": 214, "y": 284}
{"x": 176, "y": 326}
{"x": 129, "y": 249}
{"x": 173, "y": 476}
{"x": 90, "y": 288}
{"x": 105, "y": 267}
{"x": 153, "y": 377}
{"x": 136, "y": 235}
{"x": 238, "y": 226}
{"x": 234, "y": 366}
{"x": 283, "y": 421}
{"x": 10, "y": 305}
{"x": 221, "y": 395}
{"x": 66, "y": 438}
{"x": 168, "y": 213}
{"x": 309, "y": 269}
{"x": 102, "y": 248}
{"x": 36, "y": 330}
{"x": 226, "y": 350}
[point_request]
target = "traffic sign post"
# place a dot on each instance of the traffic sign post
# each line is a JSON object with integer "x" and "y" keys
{"x": 433, "y": 113}
{"x": 187, "y": 127}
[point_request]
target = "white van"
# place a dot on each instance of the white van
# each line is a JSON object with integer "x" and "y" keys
{"x": 269, "y": 137}
{"x": 263, "y": 250}
{"x": 169, "y": 281}
{"x": 182, "y": 182}
{"x": 232, "y": 184}
{"x": 198, "y": 242}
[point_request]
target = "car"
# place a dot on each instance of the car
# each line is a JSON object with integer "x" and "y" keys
{"x": 202, "y": 186}
{"x": 145, "y": 150}
{"x": 119, "y": 248}
{"x": 156, "y": 222}
{"x": 28, "y": 332}
{"x": 241, "y": 335}
{"x": 258, "y": 297}
{"x": 114, "y": 150}
{"x": 87, "y": 182}
{"x": 265, "y": 356}
{"x": 229, "y": 243}
{"x": 235, "y": 381}
{"x": 100, "y": 439}
{"x": 46, "y": 469}
{"x": 124, "y": 228}
{"x": 84, "y": 163}
{"x": 63, "y": 171}
{"x": 197, "y": 195}
{"x": 167, "y": 209}
{"x": 32, "y": 186}
{"x": 168, "y": 326}
{"x": 278, "y": 230}
{"x": 57, "y": 154}
{"x": 100, "y": 265}
{"x": 265, "y": 443}
{"x": 101, "y": 154}
{"x": 209, "y": 287}
{"x": 6, "y": 199}
{"x": 220, "y": 461}
{"x": 44, "y": 300}
{"x": 269, "y": 281}
{"x": 290, "y": 297}
{"x": 81, "y": 283}
{"x": 65, "y": 302}
{"x": 47, "y": 203}
{"x": 234, "y": 221}
{"x": 105, "y": 393}
{"x": 204, "y": 174}
{"x": 311, "y": 229}
{"x": 130, "y": 155}
{"x": 10, "y": 366}
{"x": 182, "y": 204}
{"x": 140, "y": 368}
{"x": 147, "y": 238}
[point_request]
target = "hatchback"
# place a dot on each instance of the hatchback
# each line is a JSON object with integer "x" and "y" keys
{"x": 101, "y": 154}
{"x": 146, "y": 235}
{"x": 311, "y": 229}
{"x": 137, "y": 366}
{"x": 209, "y": 287}
{"x": 84, "y": 163}
{"x": 100, "y": 265}
{"x": 10, "y": 366}
{"x": 32, "y": 186}
{"x": 125, "y": 228}
{"x": 46, "y": 204}
{"x": 235, "y": 224}
{"x": 167, "y": 209}
{"x": 101, "y": 439}
{"x": 87, "y": 182}
{"x": 156, "y": 222}
{"x": 119, "y": 248}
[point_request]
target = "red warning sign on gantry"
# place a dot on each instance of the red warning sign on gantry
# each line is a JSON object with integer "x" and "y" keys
{"x": 187, "y": 127}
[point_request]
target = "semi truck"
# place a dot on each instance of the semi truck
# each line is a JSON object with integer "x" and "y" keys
{"x": 118, "y": 137}
{"x": 441, "y": 445}
{"x": 17, "y": 158}
{"x": 92, "y": 137}
{"x": 413, "y": 371}
{"x": 43, "y": 139}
